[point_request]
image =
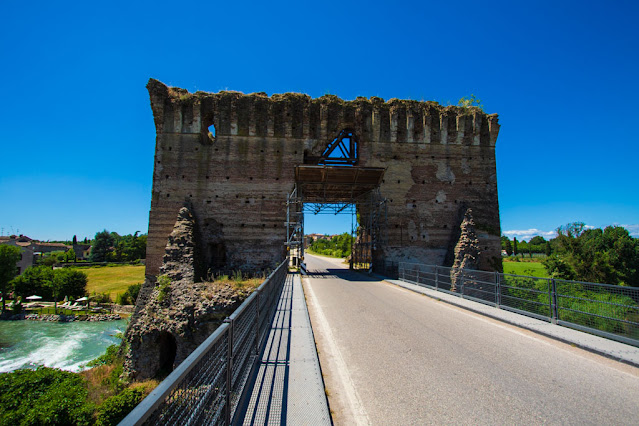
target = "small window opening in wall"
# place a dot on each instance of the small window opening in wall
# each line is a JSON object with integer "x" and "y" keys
{"x": 212, "y": 131}
{"x": 170, "y": 148}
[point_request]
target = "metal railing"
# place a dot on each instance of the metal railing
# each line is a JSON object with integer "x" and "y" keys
{"x": 207, "y": 386}
{"x": 610, "y": 311}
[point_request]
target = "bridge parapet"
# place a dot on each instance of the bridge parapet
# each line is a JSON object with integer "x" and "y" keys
{"x": 207, "y": 386}
{"x": 609, "y": 311}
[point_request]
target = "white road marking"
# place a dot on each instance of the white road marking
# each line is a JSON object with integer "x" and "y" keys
{"x": 350, "y": 393}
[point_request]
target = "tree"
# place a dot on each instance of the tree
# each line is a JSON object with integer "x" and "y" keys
{"x": 57, "y": 284}
{"x": 515, "y": 246}
{"x": 537, "y": 240}
{"x": 9, "y": 257}
{"x": 34, "y": 280}
{"x": 75, "y": 240}
{"x": 548, "y": 249}
{"x": 51, "y": 284}
{"x": 101, "y": 247}
{"x": 74, "y": 282}
{"x": 608, "y": 256}
{"x": 506, "y": 245}
{"x": 71, "y": 255}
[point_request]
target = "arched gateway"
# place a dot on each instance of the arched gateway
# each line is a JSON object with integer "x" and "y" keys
{"x": 242, "y": 162}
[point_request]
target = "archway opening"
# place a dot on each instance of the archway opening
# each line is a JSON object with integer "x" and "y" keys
{"x": 168, "y": 349}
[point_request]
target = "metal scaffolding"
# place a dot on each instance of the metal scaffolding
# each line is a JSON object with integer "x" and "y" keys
{"x": 295, "y": 227}
{"x": 368, "y": 224}
{"x": 370, "y": 233}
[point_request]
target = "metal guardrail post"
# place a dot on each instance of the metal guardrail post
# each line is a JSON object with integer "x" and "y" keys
{"x": 436, "y": 277}
{"x": 229, "y": 370}
{"x": 258, "y": 301}
{"x": 551, "y": 311}
{"x": 498, "y": 289}
{"x": 417, "y": 276}
{"x": 461, "y": 283}
{"x": 403, "y": 272}
{"x": 553, "y": 301}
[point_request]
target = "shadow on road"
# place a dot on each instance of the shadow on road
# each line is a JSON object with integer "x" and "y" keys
{"x": 345, "y": 274}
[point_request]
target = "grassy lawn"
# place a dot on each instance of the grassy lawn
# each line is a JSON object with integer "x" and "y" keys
{"x": 534, "y": 269}
{"x": 113, "y": 279}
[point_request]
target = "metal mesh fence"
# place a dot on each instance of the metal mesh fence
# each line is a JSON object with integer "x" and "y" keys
{"x": 611, "y": 309}
{"x": 526, "y": 294}
{"x": 607, "y": 310}
{"x": 206, "y": 388}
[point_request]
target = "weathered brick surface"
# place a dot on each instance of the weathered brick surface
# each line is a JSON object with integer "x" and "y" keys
{"x": 439, "y": 161}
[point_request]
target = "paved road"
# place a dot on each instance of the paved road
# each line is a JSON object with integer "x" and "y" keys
{"x": 391, "y": 356}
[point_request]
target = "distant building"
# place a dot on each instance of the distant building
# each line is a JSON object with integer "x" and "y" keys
{"x": 30, "y": 249}
{"x": 316, "y": 237}
{"x": 82, "y": 251}
{"x": 27, "y": 257}
{"x": 50, "y": 247}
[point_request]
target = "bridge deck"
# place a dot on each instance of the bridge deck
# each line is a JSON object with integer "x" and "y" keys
{"x": 392, "y": 356}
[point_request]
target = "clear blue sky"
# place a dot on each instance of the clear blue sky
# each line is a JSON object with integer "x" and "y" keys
{"x": 78, "y": 139}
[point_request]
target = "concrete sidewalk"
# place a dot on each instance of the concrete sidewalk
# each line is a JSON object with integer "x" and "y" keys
{"x": 288, "y": 387}
{"x": 609, "y": 348}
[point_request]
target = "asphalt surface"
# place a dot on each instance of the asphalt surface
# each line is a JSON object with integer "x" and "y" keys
{"x": 391, "y": 356}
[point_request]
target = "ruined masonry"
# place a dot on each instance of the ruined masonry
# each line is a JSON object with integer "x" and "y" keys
{"x": 232, "y": 157}
{"x": 174, "y": 317}
{"x": 466, "y": 251}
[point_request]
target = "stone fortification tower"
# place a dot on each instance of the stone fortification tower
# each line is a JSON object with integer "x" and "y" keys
{"x": 233, "y": 158}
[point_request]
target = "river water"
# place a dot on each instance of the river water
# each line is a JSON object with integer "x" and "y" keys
{"x": 68, "y": 346}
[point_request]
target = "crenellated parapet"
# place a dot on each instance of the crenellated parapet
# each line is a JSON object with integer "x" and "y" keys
{"x": 298, "y": 116}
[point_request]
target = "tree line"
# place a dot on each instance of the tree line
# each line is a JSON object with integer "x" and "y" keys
{"x": 55, "y": 284}
{"x": 609, "y": 255}
{"x": 338, "y": 245}
{"x": 112, "y": 247}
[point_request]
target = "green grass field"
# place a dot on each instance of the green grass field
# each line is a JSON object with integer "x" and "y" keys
{"x": 533, "y": 269}
{"x": 113, "y": 279}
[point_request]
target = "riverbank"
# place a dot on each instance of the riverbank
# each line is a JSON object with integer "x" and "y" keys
{"x": 60, "y": 318}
